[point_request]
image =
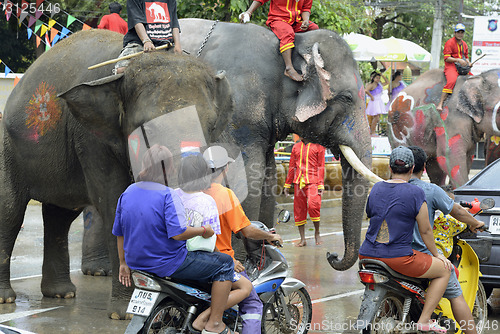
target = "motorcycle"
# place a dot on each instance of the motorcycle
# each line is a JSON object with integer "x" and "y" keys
{"x": 169, "y": 306}
{"x": 392, "y": 302}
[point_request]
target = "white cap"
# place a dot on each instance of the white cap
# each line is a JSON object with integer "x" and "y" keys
{"x": 216, "y": 157}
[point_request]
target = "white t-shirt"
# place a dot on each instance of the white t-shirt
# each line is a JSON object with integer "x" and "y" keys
{"x": 200, "y": 209}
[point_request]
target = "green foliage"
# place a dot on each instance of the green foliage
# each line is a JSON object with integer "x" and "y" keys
{"x": 342, "y": 16}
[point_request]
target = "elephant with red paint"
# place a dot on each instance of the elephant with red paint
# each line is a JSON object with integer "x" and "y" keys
{"x": 449, "y": 137}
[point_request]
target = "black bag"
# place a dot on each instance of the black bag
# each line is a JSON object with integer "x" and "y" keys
{"x": 462, "y": 70}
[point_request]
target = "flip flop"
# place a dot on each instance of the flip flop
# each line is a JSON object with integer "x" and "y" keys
{"x": 224, "y": 331}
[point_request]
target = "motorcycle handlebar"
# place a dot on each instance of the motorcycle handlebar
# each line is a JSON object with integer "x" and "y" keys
{"x": 466, "y": 204}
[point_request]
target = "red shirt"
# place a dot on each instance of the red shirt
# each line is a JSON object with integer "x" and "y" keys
{"x": 307, "y": 162}
{"x": 453, "y": 49}
{"x": 287, "y": 10}
{"x": 113, "y": 22}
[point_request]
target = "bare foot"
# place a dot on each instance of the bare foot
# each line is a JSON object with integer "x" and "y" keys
{"x": 302, "y": 243}
{"x": 439, "y": 108}
{"x": 292, "y": 74}
{"x": 318, "y": 240}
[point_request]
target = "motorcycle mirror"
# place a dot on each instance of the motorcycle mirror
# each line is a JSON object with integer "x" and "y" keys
{"x": 283, "y": 216}
{"x": 487, "y": 203}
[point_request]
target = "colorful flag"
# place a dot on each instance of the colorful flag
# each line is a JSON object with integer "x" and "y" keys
{"x": 30, "y": 32}
{"x": 31, "y": 20}
{"x": 64, "y": 32}
{"x": 86, "y": 27}
{"x": 7, "y": 70}
{"x": 71, "y": 19}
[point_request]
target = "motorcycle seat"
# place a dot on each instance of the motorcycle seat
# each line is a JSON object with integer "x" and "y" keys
{"x": 379, "y": 265}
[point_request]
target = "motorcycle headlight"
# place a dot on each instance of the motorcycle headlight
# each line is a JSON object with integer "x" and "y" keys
{"x": 145, "y": 282}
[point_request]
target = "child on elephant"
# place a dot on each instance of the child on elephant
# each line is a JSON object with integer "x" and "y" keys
{"x": 285, "y": 18}
{"x": 150, "y": 24}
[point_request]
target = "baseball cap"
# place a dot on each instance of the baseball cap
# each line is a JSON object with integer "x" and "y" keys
{"x": 216, "y": 157}
{"x": 401, "y": 157}
{"x": 459, "y": 27}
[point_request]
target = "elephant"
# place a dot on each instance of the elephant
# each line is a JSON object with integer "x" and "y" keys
{"x": 65, "y": 142}
{"x": 327, "y": 108}
{"x": 449, "y": 138}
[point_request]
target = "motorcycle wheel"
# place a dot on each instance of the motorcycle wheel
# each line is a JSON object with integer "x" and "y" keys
{"x": 298, "y": 304}
{"x": 480, "y": 309}
{"x": 166, "y": 318}
{"x": 388, "y": 316}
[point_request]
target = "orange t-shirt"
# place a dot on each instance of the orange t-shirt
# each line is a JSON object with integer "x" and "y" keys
{"x": 231, "y": 216}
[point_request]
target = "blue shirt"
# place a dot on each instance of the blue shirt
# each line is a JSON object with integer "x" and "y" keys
{"x": 436, "y": 199}
{"x": 397, "y": 204}
{"x": 148, "y": 215}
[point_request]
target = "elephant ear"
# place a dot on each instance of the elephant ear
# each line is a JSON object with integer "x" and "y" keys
{"x": 312, "y": 99}
{"x": 470, "y": 98}
{"x": 97, "y": 105}
{"x": 224, "y": 102}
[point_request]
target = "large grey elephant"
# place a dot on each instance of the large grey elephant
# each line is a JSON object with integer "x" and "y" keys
{"x": 64, "y": 141}
{"x": 449, "y": 138}
{"x": 327, "y": 108}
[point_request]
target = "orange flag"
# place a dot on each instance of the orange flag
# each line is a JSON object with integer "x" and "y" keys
{"x": 53, "y": 33}
{"x": 16, "y": 80}
{"x": 38, "y": 40}
{"x": 86, "y": 27}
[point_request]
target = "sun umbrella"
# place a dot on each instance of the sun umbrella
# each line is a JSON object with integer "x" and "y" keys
{"x": 364, "y": 48}
{"x": 403, "y": 50}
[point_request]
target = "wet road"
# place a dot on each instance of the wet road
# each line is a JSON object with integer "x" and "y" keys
{"x": 335, "y": 295}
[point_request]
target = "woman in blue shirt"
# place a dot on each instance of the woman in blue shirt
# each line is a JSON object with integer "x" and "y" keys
{"x": 393, "y": 206}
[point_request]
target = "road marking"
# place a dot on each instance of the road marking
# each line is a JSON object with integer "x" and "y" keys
{"x": 347, "y": 294}
{"x": 17, "y": 315}
{"x": 322, "y": 235}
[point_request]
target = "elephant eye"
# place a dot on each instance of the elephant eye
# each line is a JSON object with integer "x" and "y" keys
{"x": 343, "y": 97}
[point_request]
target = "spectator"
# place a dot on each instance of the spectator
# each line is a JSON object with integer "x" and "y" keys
{"x": 113, "y": 21}
{"x": 375, "y": 105}
{"x": 397, "y": 85}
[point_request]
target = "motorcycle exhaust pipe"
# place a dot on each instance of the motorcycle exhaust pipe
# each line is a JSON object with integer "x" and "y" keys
{"x": 191, "y": 311}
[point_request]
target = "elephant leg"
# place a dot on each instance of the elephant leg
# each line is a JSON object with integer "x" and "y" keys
{"x": 95, "y": 254}
{"x": 56, "y": 282}
{"x": 435, "y": 173}
{"x": 269, "y": 191}
{"x": 256, "y": 171}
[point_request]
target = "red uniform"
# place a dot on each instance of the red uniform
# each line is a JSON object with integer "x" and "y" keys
{"x": 285, "y": 19}
{"x": 307, "y": 172}
{"x": 453, "y": 49}
{"x": 113, "y": 22}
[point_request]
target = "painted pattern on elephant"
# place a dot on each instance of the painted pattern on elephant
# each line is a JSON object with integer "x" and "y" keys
{"x": 43, "y": 110}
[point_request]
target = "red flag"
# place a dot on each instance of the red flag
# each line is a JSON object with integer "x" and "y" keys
{"x": 47, "y": 42}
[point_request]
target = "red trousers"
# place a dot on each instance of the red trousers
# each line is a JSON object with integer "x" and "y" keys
{"x": 451, "y": 78}
{"x": 304, "y": 200}
{"x": 286, "y": 32}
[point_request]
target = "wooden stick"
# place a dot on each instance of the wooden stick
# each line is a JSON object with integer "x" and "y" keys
{"x": 112, "y": 61}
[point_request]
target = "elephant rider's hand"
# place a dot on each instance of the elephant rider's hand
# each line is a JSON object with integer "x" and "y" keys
{"x": 238, "y": 267}
{"x": 148, "y": 46}
{"x": 208, "y": 232}
{"x": 178, "y": 50}
{"x": 286, "y": 191}
{"x": 477, "y": 226}
{"x": 124, "y": 275}
{"x": 463, "y": 62}
{"x": 305, "y": 25}
{"x": 275, "y": 239}
{"x": 447, "y": 264}
{"x": 244, "y": 17}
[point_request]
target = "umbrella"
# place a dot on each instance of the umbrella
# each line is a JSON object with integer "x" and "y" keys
{"x": 403, "y": 50}
{"x": 364, "y": 48}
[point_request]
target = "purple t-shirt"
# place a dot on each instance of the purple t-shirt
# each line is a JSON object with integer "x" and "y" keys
{"x": 148, "y": 215}
{"x": 201, "y": 209}
{"x": 398, "y": 204}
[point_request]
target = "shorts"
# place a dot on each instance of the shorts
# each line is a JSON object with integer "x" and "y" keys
{"x": 453, "y": 290}
{"x": 206, "y": 267}
{"x": 414, "y": 265}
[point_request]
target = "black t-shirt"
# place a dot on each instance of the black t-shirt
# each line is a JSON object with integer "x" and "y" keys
{"x": 159, "y": 18}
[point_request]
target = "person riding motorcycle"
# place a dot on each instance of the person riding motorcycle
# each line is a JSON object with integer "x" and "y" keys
{"x": 233, "y": 219}
{"x": 437, "y": 199}
{"x": 393, "y": 206}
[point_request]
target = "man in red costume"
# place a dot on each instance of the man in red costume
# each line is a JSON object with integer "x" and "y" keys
{"x": 455, "y": 51}
{"x": 285, "y": 18}
{"x": 307, "y": 172}
{"x": 113, "y": 21}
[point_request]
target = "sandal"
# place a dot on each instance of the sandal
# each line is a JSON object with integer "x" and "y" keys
{"x": 432, "y": 326}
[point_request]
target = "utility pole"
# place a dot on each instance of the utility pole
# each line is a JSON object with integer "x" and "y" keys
{"x": 437, "y": 35}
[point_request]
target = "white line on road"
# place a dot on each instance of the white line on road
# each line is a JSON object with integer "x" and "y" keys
{"x": 17, "y": 315}
{"x": 347, "y": 294}
{"x": 322, "y": 235}
{"x": 35, "y": 276}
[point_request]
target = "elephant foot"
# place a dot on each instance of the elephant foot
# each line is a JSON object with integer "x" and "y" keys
{"x": 7, "y": 296}
{"x": 65, "y": 291}
{"x": 117, "y": 310}
{"x": 96, "y": 267}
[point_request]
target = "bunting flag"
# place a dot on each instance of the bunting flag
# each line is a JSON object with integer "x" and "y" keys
{"x": 53, "y": 33}
{"x": 30, "y": 32}
{"x": 51, "y": 23}
{"x": 38, "y": 24}
{"x": 38, "y": 13}
{"x": 38, "y": 3}
{"x": 56, "y": 39}
{"x": 7, "y": 70}
{"x": 38, "y": 40}
{"x": 8, "y": 13}
{"x": 64, "y": 32}
{"x": 43, "y": 30}
{"x": 71, "y": 19}
{"x": 47, "y": 42}
{"x": 31, "y": 20}
{"x": 86, "y": 27}
{"x": 16, "y": 80}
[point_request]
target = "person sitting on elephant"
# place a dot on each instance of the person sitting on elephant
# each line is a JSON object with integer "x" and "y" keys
{"x": 201, "y": 210}
{"x": 151, "y": 229}
{"x": 233, "y": 219}
{"x": 455, "y": 52}
{"x": 438, "y": 199}
{"x": 150, "y": 24}
{"x": 393, "y": 206}
{"x": 285, "y": 18}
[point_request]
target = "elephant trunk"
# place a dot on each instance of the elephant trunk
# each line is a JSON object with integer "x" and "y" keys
{"x": 355, "y": 190}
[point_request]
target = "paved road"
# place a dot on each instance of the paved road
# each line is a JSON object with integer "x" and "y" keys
{"x": 335, "y": 295}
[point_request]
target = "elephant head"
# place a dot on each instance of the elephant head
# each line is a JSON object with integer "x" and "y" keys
{"x": 153, "y": 85}
{"x": 330, "y": 110}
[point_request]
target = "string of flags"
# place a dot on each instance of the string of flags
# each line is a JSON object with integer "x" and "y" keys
{"x": 29, "y": 14}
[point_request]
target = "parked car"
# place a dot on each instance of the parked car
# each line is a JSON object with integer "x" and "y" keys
{"x": 483, "y": 185}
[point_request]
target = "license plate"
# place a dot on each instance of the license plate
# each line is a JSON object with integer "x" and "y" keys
{"x": 494, "y": 227}
{"x": 142, "y": 302}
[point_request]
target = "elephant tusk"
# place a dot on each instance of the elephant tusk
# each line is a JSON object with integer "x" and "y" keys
{"x": 360, "y": 167}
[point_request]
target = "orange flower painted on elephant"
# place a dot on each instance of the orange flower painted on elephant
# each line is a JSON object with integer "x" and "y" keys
{"x": 43, "y": 109}
{"x": 400, "y": 116}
